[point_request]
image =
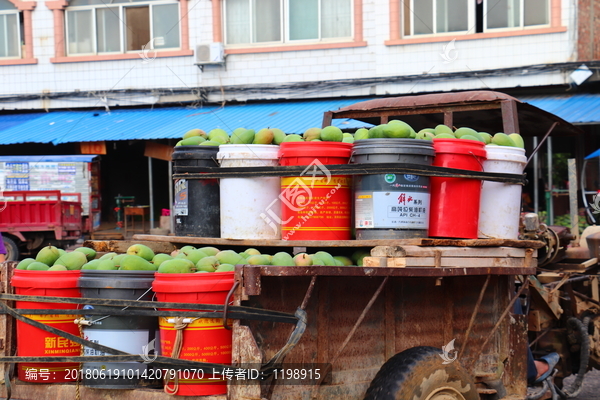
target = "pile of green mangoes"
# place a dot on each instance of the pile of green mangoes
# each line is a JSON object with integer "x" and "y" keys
{"x": 445, "y": 132}
{"x": 188, "y": 259}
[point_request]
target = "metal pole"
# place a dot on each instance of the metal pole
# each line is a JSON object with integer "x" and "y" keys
{"x": 573, "y": 200}
{"x": 171, "y": 225}
{"x": 150, "y": 188}
{"x": 536, "y": 178}
{"x": 550, "y": 207}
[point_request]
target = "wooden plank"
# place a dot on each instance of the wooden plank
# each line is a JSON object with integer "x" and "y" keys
{"x": 534, "y": 244}
{"x": 448, "y": 251}
{"x": 121, "y": 246}
{"x": 7, "y": 323}
{"x": 458, "y": 262}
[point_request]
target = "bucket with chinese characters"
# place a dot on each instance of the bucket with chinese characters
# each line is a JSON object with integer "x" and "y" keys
{"x": 391, "y": 206}
{"x": 316, "y": 205}
{"x": 32, "y": 341}
{"x": 200, "y": 339}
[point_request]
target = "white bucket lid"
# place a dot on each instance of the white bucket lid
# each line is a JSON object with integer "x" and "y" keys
{"x": 248, "y": 152}
{"x": 505, "y": 153}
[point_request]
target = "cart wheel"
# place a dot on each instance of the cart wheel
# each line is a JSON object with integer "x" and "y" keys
{"x": 12, "y": 250}
{"x": 418, "y": 374}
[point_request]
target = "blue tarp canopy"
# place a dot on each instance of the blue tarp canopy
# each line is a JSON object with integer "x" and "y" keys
{"x": 578, "y": 109}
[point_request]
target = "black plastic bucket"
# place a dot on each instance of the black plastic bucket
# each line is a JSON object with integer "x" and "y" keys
{"x": 132, "y": 334}
{"x": 391, "y": 206}
{"x": 197, "y": 201}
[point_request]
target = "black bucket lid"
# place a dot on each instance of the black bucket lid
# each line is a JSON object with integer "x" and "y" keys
{"x": 116, "y": 279}
{"x": 394, "y": 146}
{"x": 195, "y": 152}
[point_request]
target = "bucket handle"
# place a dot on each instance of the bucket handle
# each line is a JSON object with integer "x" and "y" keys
{"x": 235, "y": 285}
{"x": 477, "y": 159}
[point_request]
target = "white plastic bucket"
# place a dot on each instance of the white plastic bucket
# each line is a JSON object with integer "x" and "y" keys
{"x": 250, "y": 207}
{"x": 501, "y": 202}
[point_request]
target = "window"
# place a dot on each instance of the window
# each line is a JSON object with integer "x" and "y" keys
{"x": 10, "y": 30}
{"x": 121, "y": 26}
{"x": 286, "y": 21}
{"x": 428, "y": 17}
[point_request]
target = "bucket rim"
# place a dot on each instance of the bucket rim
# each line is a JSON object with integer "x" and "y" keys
{"x": 459, "y": 146}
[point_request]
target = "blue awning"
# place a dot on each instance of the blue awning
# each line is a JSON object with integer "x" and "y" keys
{"x": 577, "y": 109}
{"x": 171, "y": 123}
{"x": 62, "y": 159}
{"x": 10, "y": 120}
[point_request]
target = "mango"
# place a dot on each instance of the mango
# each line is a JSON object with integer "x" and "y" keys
{"x": 487, "y": 138}
{"x": 360, "y": 134}
{"x": 218, "y": 135}
{"x": 208, "y": 264}
{"x": 230, "y": 257}
{"x": 106, "y": 265}
{"x": 312, "y": 134}
{"x": 194, "y": 132}
{"x": 89, "y": 253}
{"x": 518, "y": 140}
{"x": 326, "y": 257}
{"x": 331, "y": 134}
{"x": 293, "y": 138}
{"x": 24, "y": 263}
{"x": 93, "y": 264}
{"x": 258, "y": 260}
{"x": 465, "y": 131}
{"x": 192, "y": 255}
{"x": 73, "y": 260}
{"x": 430, "y": 130}
{"x": 278, "y": 136}
{"x": 37, "y": 266}
{"x": 192, "y": 141}
{"x": 58, "y": 268}
{"x": 176, "y": 266}
{"x": 445, "y": 136}
{"x": 225, "y": 268}
{"x": 242, "y": 136}
{"x": 264, "y": 136}
{"x": 282, "y": 259}
{"x": 502, "y": 139}
{"x": 424, "y": 135}
{"x": 376, "y": 132}
{"x": 209, "y": 251}
{"x": 132, "y": 262}
{"x": 47, "y": 255}
{"x": 316, "y": 260}
{"x": 413, "y": 133}
{"x": 252, "y": 252}
{"x": 348, "y": 138}
{"x": 358, "y": 255}
{"x": 343, "y": 259}
{"x": 141, "y": 250}
{"x": 179, "y": 143}
{"x": 396, "y": 129}
{"x": 160, "y": 258}
{"x": 302, "y": 260}
{"x": 443, "y": 129}
{"x": 107, "y": 255}
{"x": 338, "y": 263}
{"x": 469, "y": 137}
{"x": 210, "y": 143}
{"x": 117, "y": 259}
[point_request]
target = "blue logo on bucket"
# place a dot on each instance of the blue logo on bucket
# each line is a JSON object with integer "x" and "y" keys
{"x": 390, "y": 178}
{"x": 411, "y": 178}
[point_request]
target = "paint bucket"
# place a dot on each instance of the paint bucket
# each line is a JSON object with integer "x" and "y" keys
{"x": 196, "y": 203}
{"x": 203, "y": 339}
{"x": 131, "y": 334}
{"x": 454, "y": 210}
{"x": 316, "y": 205}
{"x": 249, "y": 205}
{"x": 501, "y": 202}
{"x": 35, "y": 342}
{"x": 391, "y": 206}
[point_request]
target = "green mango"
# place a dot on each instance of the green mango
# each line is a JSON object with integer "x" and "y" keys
{"x": 242, "y": 136}
{"x": 177, "y": 266}
{"x": 225, "y": 268}
{"x": 107, "y": 255}
{"x": 209, "y": 251}
{"x": 312, "y": 134}
{"x": 73, "y": 260}
{"x": 57, "y": 268}
{"x": 194, "y": 132}
{"x": 210, "y": 143}
{"x": 132, "y": 262}
{"x": 293, "y": 138}
{"x": 47, "y": 255}
{"x": 208, "y": 264}
{"x": 518, "y": 140}
{"x": 37, "y": 266}
{"x": 278, "y": 136}
{"x": 25, "y": 262}
{"x": 443, "y": 129}
{"x": 348, "y": 138}
{"x": 396, "y": 129}
{"x": 332, "y": 134}
{"x": 361, "y": 134}
{"x": 160, "y": 258}
{"x": 264, "y": 136}
{"x": 326, "y": 257}
{"x": 343, "y": 259}
{"x": 230, "y": 257}
{"x": 192, "y": 141}
{"x": 90, "y": 254}
{"x": 502, "y": 139}
{"x": 93, "y": 264}
{"x": 218, "y": 135}
{"x": 282, "y": 259}
{"x": 141, "y": 250}
{"x": 106, "y": 265}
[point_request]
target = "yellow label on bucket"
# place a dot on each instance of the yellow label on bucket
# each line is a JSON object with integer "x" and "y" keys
{"x": 52, "y": 318}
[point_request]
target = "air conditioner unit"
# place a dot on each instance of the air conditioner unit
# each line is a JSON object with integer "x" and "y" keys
{"x": 209, "y": 53}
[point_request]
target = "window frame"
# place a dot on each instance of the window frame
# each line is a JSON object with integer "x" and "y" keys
{"x": 122, "y": 25}
{"x": 522, "y": 25}
{"x": 18, "y": 15}
{"x": 470, "y": 20}
{"x": 284, "y": 26}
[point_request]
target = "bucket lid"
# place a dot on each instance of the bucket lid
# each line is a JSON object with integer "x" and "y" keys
{"x": 248, "y": 151}
{"x": 194, "y": 152}
{"x": 45, "y": 279}
{"x": 459, "y": 146}
{"x": 506, "y": 153}
{"x": 394, "y": 146}
{"x": 315, "y": 149}
{"x": 116, "y": 279}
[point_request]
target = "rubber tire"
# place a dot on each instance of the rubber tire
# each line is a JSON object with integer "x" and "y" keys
{"x": 417, "y": 373}
{"x": 12, "y": 250}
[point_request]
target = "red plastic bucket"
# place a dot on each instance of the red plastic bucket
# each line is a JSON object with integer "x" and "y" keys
{"x": 316, "y": 205}
{"x": 205, "y": 339}
{"x": 32, "y": 341}
{"x": 454, "y": 209}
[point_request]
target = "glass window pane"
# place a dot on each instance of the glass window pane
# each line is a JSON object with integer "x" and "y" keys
{"x": 7, "y": 5}
{"x": 73, "y": 3}
{"x": 535, "y": 12}
{"x": 267, "y": 21}
{"x": 452, "y": 16}
{"x": 165, "y": 23}
{"x": 423, "y": 16}
{"x": 137, "y": 27}
{"x": 336, "y": 18}
{"x": 9, "y": 35}
{"x": 503, "y": 13}
{"x": 79, "y": 27}
{"x": 237, "y": 17}
{"x": 108, "y": 27}
{"x": 304, "y": 19}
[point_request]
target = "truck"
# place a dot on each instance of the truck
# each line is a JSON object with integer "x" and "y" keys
{"x": 423, "y": 318}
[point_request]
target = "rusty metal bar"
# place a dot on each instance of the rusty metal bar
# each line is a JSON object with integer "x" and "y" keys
{"x": 309, "y": 291}
{"x": 475, "y": 311}
{"x": 235, "y": 285}
{"x": 504, "y": 314}
{"x": 534, "y": 152}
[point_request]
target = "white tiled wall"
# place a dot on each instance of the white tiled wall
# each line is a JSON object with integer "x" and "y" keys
{"x": 376, "y": 60}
